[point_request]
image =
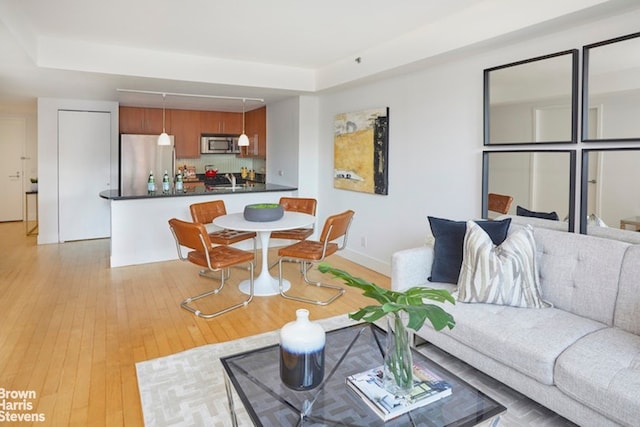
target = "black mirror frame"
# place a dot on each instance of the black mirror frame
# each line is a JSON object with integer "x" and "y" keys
{"x": 572, "y": 180}
{"x": 585, "y": 89}
{"x": 574, "y": 98}
{"x": 584, "y": 180}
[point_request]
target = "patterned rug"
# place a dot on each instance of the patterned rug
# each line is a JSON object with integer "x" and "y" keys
{"x": 187, "y": 388}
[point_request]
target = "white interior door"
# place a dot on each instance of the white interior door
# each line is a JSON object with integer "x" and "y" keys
{"x": 84, "y": 140}
{"x": 13, "y": 134}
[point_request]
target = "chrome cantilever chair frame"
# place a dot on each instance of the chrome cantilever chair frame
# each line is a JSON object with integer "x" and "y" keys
{"x": 208, "y": 250}
{"x": 308, "y": 263}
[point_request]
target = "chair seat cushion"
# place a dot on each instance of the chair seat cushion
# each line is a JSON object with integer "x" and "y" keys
{"x": 221, "y": 257}
{"x": 307, "y": 249}
{"x": 228, "y": 237}
{"x": 295, "y": 234}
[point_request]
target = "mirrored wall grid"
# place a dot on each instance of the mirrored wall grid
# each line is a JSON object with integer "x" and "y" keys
{"x": 535, "y": 101}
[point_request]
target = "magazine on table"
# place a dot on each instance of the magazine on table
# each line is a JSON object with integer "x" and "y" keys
{"x": 427, "y": 388}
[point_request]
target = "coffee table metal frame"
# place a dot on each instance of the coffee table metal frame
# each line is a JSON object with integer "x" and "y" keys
{"x": 255, "y": 376}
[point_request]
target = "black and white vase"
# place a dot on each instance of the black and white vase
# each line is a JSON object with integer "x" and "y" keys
{"x": 302, "y": 353}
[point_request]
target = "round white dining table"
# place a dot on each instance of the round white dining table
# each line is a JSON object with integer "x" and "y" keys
{"x": 265, "y": 284}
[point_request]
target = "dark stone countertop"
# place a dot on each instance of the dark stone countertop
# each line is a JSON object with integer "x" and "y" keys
{"x": 199, "y": 190}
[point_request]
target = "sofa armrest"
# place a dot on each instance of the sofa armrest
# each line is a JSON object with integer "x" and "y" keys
{"x": 411, "y": 267}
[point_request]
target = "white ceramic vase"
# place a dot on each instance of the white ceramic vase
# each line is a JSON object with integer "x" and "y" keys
{"x": 302, "y": 353}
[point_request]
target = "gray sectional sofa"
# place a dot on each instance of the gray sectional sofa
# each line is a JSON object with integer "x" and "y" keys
{"x": 581, "y": 357}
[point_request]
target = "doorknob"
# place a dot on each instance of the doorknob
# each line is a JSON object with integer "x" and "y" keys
{"x": 592, "y": 181}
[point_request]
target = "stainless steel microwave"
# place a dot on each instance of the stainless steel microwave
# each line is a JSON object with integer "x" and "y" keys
{"x": 219, "y": 144}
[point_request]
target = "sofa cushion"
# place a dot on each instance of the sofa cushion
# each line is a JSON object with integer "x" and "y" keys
{"x": 449, "y": 237}
{"x": 627, "y": 314}
{"x": 528, "y": 341}
{"x": 580, "y": 273}
{"x": 602, "y": 371}
{"x": 505, "y": 274}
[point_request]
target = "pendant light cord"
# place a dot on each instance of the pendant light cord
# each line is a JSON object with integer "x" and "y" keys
{"x": 164, "y": 95}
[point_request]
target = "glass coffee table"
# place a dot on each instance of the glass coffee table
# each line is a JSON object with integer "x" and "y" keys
{"x": 255, "y": 375}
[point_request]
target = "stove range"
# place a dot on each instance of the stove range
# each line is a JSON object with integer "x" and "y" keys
{"x": 215, "y": 180}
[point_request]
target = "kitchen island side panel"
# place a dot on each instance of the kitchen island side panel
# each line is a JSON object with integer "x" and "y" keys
{"x": 140, "y": 227}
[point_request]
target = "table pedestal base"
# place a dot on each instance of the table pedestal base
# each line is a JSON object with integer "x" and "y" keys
{"x": 264, "y": 286}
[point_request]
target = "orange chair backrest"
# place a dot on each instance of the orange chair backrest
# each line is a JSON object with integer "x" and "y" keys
{"x": 206, "y": 212}
{"x": 299, "y": 204}
{"x": 336, "y": 226}
{"x": 499, "y": 203}
{"x": 191, "y": 235}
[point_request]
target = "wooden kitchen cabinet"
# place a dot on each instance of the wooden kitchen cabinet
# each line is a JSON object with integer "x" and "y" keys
{"x": 146, "y": 121}
{"x": 256, "y": 129}
{"x": 185, "y": 128}
{"x": 221, "y": 122}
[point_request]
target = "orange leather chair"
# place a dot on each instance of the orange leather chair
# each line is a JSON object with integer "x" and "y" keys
{"x": 309, "y": 252}
{"x": 296, "y": 204}
{"x": 214, "y": 259}
{"x": 499, "y": 203}
{"x": 206, "y": 212}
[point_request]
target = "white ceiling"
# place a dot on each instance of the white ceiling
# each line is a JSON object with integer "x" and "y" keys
{"x": 271, "y": 49}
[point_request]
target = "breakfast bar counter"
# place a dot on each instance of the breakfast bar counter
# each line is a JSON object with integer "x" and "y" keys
{"x": 139, "y": 222}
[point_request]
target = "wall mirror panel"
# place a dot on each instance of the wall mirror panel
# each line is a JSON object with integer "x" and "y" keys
{"x": 532, "y": 101}
{"x": 611, "y": 90}
{"x": 541, "y": 182}
{"x": 610, "y": 201}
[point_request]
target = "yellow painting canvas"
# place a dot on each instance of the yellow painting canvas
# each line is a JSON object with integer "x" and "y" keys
{"x": 360, "y": 157}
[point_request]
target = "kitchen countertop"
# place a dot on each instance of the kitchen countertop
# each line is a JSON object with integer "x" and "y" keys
{"x": 199, "y": 190}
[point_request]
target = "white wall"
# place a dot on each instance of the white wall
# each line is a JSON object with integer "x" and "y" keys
{"x": 435, "y": 146}
{"x": 435, "y": 143}
{"x": 283, "y": 136}
{"x": 48, "y": 157}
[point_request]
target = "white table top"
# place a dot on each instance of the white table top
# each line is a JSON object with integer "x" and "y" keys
{"x": 290, "y": 220}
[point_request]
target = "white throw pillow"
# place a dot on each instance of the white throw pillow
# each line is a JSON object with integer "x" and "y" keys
{"x": 505, "y": 274}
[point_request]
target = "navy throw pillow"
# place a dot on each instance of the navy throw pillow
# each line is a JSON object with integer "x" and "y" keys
{"x": 449, "y": 240}
{"x": 520, "y": 211}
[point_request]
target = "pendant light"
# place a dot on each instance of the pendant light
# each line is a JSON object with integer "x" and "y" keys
{"x": 243, "y": 141}
{"x": 163, "y": 139}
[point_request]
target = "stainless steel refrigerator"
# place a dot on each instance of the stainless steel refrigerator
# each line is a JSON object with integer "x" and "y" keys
{"x": 140, "y": 154}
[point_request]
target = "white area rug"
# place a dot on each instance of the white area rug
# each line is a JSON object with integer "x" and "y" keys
{"x": 187, "y": 388}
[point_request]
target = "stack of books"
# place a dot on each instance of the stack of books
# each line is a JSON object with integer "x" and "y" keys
{"x": 427, "y": 388}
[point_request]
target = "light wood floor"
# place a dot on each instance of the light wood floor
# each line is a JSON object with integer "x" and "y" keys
{"x": 72, "y": 328}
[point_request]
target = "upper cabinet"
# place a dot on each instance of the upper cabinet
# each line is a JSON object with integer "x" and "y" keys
{"x": 188, "y": 125}
{"x": 221, "y": 122}
{"x": 256, "y": 129}
{"x": 185, "y": 127}
{"x": 138, "y": 120}
{"x": 532, "y": 101}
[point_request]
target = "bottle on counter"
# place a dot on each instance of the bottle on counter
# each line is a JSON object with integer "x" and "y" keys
{"x": 179, "y": 186}
{"x": 243, "y": 172}
{"x": 165, "y": 182}
{"x": 151, "y": 183}
{"x": 252, "y": 175}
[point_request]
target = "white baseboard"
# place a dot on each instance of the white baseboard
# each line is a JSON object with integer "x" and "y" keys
{"x": 372, "y": 263}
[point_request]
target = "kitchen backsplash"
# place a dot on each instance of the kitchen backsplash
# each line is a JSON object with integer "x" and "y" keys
{"x": 224, "y": 163}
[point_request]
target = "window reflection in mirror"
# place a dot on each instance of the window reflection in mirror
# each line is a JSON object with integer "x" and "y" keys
{"x": 532, "y": 101}
{"x": 540, "y": 182}
{"x": 610, "y": 200}
{"x": 611, "y": 90}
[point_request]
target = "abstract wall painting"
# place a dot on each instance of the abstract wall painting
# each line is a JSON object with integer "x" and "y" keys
{"x": 361, "y": 151}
